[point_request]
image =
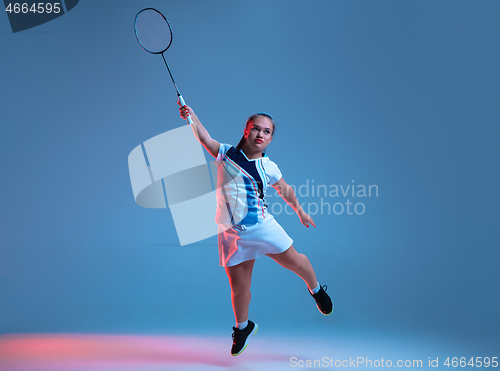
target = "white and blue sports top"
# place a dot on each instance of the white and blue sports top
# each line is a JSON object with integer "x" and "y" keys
{"x": 241, "y": 186}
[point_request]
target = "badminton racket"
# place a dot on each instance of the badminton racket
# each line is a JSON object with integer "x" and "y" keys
{"x": 154, "y": 35}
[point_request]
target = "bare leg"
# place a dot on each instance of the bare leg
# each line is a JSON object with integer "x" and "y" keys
{"x": 297, "y": 263}
{"x": 240, "y": 279}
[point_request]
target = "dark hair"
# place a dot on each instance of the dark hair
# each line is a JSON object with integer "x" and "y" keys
{"x": 251, "y": 119}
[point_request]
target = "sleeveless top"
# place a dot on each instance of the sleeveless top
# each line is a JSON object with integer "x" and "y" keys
{"x": 241, "y": 186}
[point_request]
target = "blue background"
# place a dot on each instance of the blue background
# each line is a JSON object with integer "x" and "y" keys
{"x": 399, "y": 94}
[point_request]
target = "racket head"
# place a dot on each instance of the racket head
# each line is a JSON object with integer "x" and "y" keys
{"x": 152, "y": 31}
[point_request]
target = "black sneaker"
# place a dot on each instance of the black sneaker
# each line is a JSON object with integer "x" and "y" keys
{"x": 240, "y": 338}
{"x": 323, "y": 301}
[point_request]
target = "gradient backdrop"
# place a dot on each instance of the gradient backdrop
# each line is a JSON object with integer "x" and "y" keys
{"x": 403, "y": 95}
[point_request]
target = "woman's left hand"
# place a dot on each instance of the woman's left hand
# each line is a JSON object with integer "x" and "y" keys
{"x": 305, "y": 219}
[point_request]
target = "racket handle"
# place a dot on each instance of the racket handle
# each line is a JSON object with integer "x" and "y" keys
{"x": 183, "y": 104}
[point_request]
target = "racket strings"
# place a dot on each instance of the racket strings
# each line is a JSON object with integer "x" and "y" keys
{"x": 153, "y": 31}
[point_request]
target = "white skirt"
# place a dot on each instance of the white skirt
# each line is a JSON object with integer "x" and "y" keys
{"x": 246, "y": 242}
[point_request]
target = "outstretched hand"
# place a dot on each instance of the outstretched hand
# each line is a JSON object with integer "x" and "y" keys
{"x": 306, "y": 219}
{"x": 185, "y": 111}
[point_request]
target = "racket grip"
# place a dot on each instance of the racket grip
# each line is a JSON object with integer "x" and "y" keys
{"x": 181, "y": 100}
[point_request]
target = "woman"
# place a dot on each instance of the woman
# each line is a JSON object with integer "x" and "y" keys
{"x": 246, "y": 229}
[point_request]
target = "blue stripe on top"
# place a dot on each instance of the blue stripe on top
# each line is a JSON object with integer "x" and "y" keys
{"x": 241, "y": 185}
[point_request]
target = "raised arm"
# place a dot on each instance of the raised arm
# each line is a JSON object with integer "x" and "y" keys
{"x": 286, "y": 192}
{"x": 201, "y": 134}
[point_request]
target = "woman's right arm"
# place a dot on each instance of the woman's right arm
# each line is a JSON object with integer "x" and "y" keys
{"x": 201, "y": 134}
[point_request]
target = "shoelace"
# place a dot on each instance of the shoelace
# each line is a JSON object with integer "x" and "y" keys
{"x": 235, "y": 329}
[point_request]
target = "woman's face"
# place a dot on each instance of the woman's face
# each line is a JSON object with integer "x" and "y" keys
{"x": 259, "y": 133}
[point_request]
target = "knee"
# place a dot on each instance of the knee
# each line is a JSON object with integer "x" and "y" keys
{"x": 239, "y": 288}
{"x": 303, "y": 258}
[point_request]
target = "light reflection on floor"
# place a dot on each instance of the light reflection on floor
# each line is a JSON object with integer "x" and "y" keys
{"x": 83, "y": 352}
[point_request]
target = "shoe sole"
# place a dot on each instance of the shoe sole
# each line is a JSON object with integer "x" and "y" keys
{"x": 246, "y": 341}
{"x": 326, "y": 314}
